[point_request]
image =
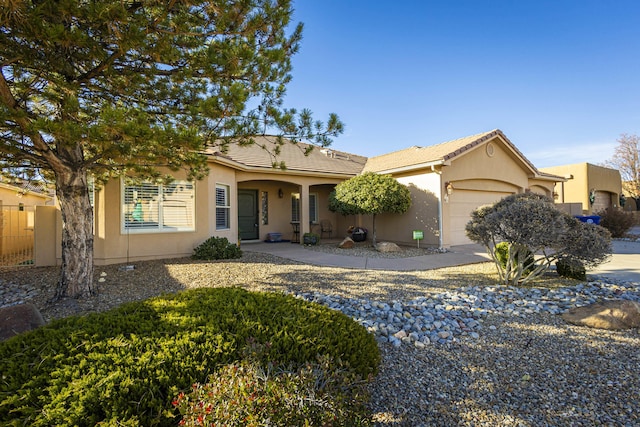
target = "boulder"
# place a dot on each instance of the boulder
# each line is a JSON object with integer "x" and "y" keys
{"x": 347, "y": 243}
{"x": 617, "y": 314}
{"x": 17, "y": 319}
{"x": 388, "y": 247}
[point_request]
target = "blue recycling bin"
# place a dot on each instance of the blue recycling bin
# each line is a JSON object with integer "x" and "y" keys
{"x": 589, "y": 219}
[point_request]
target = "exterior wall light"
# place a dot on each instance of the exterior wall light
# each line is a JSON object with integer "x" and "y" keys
{"x": 449, "y": 187}
{"x": 280, "y": 193}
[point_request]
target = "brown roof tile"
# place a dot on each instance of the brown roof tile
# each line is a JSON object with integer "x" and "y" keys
{"x": 260, "y": 155}
{"x": 415, "y": 155}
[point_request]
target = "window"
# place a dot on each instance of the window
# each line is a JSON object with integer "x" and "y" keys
{"x": 149, "y": 207}
{"x": 265, "y": 208}
{"x": 223, "y": 207}
{"x": 313, "y": 207}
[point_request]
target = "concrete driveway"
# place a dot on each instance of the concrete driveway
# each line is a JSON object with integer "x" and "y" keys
{"x": 624, "y": 264}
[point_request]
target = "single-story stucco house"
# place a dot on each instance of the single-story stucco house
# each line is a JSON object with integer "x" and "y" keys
{"x": 245, "y": 197}
{"x": 595, "y": 188}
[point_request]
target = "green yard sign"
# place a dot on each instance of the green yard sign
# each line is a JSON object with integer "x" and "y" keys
{"x": 418, "y": 235}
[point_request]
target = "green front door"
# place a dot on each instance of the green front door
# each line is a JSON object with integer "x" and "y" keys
{"x": 248, "y": 214}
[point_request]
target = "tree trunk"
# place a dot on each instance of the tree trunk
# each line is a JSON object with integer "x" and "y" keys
{"x": 76, "y": 279}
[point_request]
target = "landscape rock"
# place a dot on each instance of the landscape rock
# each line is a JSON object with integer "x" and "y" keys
{"x": 17, "y": 319}
{"x": 616, "y": 314}
{"x": 388, "y": 247}
{"x": 347, "y": 243}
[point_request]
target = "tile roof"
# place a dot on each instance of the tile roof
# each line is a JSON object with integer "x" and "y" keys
{"x": 319, "y": 160}
{"x": 326, "y": 160}
{"x": 27, "y": 186}
{"x": 414, "y": 156}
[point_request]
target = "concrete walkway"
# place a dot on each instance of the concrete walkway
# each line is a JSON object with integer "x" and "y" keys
{"x": 624, "y": 264}
{"x": 458, "y": 255}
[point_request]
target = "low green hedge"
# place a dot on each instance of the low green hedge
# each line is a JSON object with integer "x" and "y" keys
{"x": 124, "y": 367}
{"x": 216, "y": 248}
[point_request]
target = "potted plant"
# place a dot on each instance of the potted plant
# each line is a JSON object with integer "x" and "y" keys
{"x": 310, "y": 239}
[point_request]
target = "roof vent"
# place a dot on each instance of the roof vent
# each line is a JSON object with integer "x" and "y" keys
{"x": 327, "y": 152}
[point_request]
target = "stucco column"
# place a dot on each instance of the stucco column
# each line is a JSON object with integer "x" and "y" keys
{"x": 304, "y": 211}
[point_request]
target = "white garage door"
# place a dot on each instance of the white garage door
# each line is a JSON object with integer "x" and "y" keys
{"x": 463, "y": 202}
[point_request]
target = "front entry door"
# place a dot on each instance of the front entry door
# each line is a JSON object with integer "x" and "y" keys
{"x": 248, "y": 214}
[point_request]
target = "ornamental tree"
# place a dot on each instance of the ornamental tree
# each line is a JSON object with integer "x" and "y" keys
{"x": 370, "y": 194}
{"x": 626, "y": 158}
{"x": 531, "y": 224}
{"x": 127, "y": 87}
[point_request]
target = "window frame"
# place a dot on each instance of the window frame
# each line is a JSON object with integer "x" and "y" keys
{"x": 161, "y": 193}
{"x": 226, "y": 207}
{"x": 313, "y": 208}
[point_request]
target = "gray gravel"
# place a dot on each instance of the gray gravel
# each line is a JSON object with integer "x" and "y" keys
{"x": 515, "y": 366}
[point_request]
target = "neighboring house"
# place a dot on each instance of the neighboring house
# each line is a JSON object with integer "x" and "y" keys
{"x": 18, "y": 202}
{"x": 245, "y": 197}
{"x": 594, "y": 187}
{"x": 23, "y": 193}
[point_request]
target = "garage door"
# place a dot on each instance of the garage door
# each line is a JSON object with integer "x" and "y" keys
{"x": 602, "y": 202}
{"x": 462, "y": 203}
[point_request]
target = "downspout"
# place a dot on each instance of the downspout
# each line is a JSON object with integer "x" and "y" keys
{"x": 440, "y": 222}
{"x": 439, "y": 173}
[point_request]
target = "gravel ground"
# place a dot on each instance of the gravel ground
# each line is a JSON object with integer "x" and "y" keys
{"x": 522, "y": 371}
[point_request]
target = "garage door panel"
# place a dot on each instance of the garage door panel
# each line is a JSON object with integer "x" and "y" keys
{"x": 462, "y": 203}
{"x": 602, "y": 201}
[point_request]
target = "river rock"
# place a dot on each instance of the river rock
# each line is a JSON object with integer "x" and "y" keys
{"x": 17, "y": 319}
{"x": 616, "y": 314}
{"x": 347, "y": 243}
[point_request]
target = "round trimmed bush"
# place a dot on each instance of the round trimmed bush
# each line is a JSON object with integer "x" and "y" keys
{"x": 571, "y": 269}
{"x": 124, "y": 366}
{"x": 216, "y": 248}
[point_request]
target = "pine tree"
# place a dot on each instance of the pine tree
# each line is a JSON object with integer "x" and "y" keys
{"x": 112, "y": 87}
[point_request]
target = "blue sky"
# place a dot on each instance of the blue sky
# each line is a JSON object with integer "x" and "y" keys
{"x": 560, "y": 78}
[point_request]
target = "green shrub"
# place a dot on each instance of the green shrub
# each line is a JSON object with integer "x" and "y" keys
{"x": 616, "y": 221}
{"x": 571, "y": 269}
{"x": 310, "y": 239}
{"x": 523, "y": 258}
{"x": 531, "y": 222}
{"x": 124, "y": 366}
{"x": 249, "y": 394}
{"x": 216, "y": 248}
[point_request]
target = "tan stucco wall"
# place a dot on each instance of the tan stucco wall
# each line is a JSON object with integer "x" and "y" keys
{"x": 499, "y": 173}
{"x": 478, "y": 165}
{"x": 586, "y": 177}
{"x": 48, "y": 221}
{"x": 112, "y": 245}
{"x": 423, "y": 215}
